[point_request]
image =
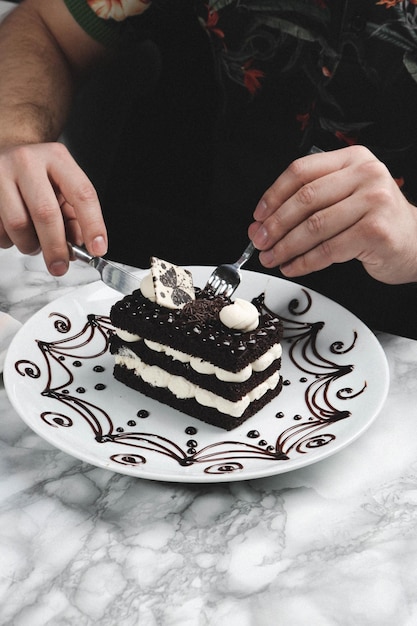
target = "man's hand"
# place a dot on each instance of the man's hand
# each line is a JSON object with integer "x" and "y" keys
{"x": 336, "y": 206}
{"x": 45, "y": 200}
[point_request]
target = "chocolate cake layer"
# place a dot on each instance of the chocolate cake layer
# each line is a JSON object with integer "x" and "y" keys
{"x": 190, "y": 406}
{"x": 232, "y": 391}
{"x": 198, "y": 333}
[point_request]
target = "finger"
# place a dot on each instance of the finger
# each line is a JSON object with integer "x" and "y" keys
{"x": 305, "y": 207}
{"x": 5, "y": 241}
{"x": 80, "y": 194}
{"x": 298, "y": 173}
{"x": 318, "y": 227}
{"x": 16, "y": 222}
{"x": 344, "y": 247}
{"x": 45, "y": 213}
{"x": 304, "y": 170}
{"x": 72, "y": 227}
{"x": 370, "y": 240}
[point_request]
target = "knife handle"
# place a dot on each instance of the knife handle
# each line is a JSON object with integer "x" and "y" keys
{"x": 79, "y": 254}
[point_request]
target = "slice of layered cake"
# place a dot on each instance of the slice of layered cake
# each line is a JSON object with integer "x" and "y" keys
{"x": 208, "y": 357}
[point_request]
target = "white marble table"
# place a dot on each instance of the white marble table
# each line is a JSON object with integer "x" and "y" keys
{"x": 333, "y": 544}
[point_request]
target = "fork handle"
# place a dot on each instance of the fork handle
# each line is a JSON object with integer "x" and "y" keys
{"x": 246, "y": 255}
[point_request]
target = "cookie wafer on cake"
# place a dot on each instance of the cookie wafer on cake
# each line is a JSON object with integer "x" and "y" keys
{"x": 215, "y": 359}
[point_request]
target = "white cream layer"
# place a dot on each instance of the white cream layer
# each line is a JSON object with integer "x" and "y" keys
{"x": 182, "y": 388}
{"x": 204, "y": 367}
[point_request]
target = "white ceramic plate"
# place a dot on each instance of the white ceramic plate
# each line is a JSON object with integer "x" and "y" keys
{"x": 58, "y": 375}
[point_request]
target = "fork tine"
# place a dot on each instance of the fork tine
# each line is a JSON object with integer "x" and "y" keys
{"x": 214, "y": 283}
{"x": 216, "y": 290}
{"x": 230, "y": 290}
{"x": 220, "y": 287}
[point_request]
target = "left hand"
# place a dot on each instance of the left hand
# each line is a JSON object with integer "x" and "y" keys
{"x": 336, "y": 206}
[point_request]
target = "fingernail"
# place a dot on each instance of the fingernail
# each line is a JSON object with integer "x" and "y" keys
{"x": 253, "y": 229}
{"x": 260, "y": 237}
{"x": 99, "y": 246}
{"x": 267, "y": 258}
{"x": 58, "y": 268}
{"x": 287, "y": 268}
{"x": 261, "y": 210}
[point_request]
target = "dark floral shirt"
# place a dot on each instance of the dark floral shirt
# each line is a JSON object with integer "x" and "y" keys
{"x": 236, "y": 90}
{"x": 336, "y": 72}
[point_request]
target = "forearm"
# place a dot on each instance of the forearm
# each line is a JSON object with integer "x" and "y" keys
{"x": 35, "y": 81}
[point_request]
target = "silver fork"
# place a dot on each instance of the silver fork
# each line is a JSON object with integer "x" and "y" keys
{"x": 226, "y": 278}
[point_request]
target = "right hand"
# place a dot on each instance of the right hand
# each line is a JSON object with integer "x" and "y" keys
{"x": 333, "y": 207}
{"x": 45, "y": 201}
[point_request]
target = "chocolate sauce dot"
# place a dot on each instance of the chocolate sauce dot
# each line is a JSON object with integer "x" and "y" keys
{"x": 253, "y": 434}
{"x": 119, "y": 430}
{"x": 279, "y": 415}
{"x": 286, "y": 382}
{"x": 143, "y": 413}
{"x": 191, "y": 443}
{"x": 77, "y": 364}
{"x": 131, "y": 423}
{"x": 190, "y": 430}
{"x": 262, "y": 442}
{"x": 303, "y": 379}
{"x": 80, "y": 390}
{"x": 62, "y": 358}
{"x": 191, "y": 451}
{"x": 298, "y": 417}
{"x": 98, "y": 368}
{"x": 99, "y": 386}
{"x": 270, "y": 448}
{"x": 65, "y": 391}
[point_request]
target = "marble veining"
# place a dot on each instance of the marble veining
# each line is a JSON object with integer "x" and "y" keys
{"x": 332, "y": 544}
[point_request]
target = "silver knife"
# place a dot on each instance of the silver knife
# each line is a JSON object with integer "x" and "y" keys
{"x": 111, "y": 274}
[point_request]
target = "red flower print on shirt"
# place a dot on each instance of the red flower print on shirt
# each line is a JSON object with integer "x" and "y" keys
{"x": 117, "y": 10}
{"x": 389, "y": 3}
{"x": 211, "y": 23}
{"x": 348, "y": 139}
{"x": 251, "y": 77}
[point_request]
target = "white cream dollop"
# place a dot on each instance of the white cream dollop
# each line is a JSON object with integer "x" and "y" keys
{"x": 126, "y": 336}
{"x": 146, "y": 287}
{"x": 240, "y": 315}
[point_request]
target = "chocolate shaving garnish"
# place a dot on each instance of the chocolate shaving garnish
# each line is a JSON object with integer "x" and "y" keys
{"x": 201, "y": 311}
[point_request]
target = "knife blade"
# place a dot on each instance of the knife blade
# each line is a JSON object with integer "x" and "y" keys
{"x": 111, "y": 273}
